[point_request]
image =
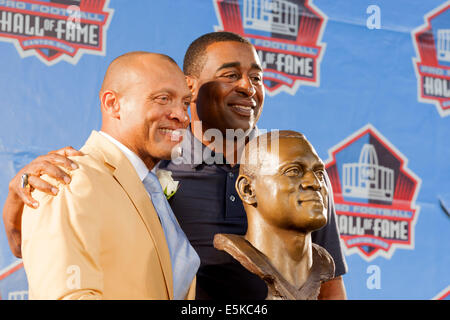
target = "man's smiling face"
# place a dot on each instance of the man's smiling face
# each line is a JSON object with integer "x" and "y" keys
{"x": 154, "y": 107}
{"x": 230, "y": 87}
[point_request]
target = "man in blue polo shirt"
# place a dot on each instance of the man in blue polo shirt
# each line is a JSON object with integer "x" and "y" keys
{"x": 225, "y": 77}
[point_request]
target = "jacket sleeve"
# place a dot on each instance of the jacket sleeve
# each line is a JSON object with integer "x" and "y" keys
{"x": 61, "y": 242}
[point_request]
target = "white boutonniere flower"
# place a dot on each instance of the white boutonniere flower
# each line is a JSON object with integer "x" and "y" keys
{"x": 168, "y": 185}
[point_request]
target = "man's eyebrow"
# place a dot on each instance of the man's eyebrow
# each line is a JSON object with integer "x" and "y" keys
{"x": 162, "y": 90}
{"x": 168, "y": 91}
{"x": 257, "y": 66}
{"x": 238, "y": 64}
{"x": 229, "y": 65}
{"x": 152, "y": 95}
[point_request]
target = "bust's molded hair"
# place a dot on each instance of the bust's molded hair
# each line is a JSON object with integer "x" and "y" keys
{"x": 254, "y": 150}
{"x": 195, "y": 56}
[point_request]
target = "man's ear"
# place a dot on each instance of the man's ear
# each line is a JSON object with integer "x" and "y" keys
{"x": 245, "y": 189}
{"x": 110, "y": 103}
{"x": 192, "y": 83}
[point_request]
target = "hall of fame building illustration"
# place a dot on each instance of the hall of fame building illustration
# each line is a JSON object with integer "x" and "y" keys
{"x": 366, "y": 179}
{"x": 275, "y": 16}
{"x": 374, "y": 193}
{"x": 443, "y": 44}
{"x": 432, "y": 61}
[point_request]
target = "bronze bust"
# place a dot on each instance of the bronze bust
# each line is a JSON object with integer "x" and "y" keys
{"x": 281, "y": 184}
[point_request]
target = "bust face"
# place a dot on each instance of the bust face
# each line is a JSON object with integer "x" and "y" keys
{"x": 290, "y": 188}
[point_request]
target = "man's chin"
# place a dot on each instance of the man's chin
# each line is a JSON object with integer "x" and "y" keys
{"x": 165, "y": 150}
{"x": 171, "y": 154}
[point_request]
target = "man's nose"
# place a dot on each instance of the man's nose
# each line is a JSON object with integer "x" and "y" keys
{"x": 179, "y": 112}
{"x": 246, "y": 86}
{"x": 310, "y": 180}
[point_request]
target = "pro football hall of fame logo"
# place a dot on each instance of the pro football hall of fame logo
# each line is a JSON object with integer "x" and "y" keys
{"x": 432, "y": 61}
{"x": 55, "y": 30}
{"x": 374, "y": 194}
{"x": 286, "y": 34}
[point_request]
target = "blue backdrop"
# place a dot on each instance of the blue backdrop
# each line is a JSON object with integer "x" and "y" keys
{"x": 368, "y": 82}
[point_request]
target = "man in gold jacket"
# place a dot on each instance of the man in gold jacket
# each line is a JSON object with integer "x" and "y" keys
{"x": 103, "y": 236}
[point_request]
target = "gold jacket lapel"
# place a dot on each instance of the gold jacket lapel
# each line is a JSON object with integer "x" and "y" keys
{"x": 127, "y": 177}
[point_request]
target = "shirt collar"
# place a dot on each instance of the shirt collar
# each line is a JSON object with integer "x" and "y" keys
{"x": 137, "y": 162}
{"x": 192, "y": 149}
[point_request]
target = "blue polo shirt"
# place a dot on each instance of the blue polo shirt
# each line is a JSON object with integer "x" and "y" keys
{"x": 207, "y": 203}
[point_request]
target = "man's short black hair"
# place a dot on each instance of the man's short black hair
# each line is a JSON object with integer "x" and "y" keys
{"x": 195, "y": 56}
